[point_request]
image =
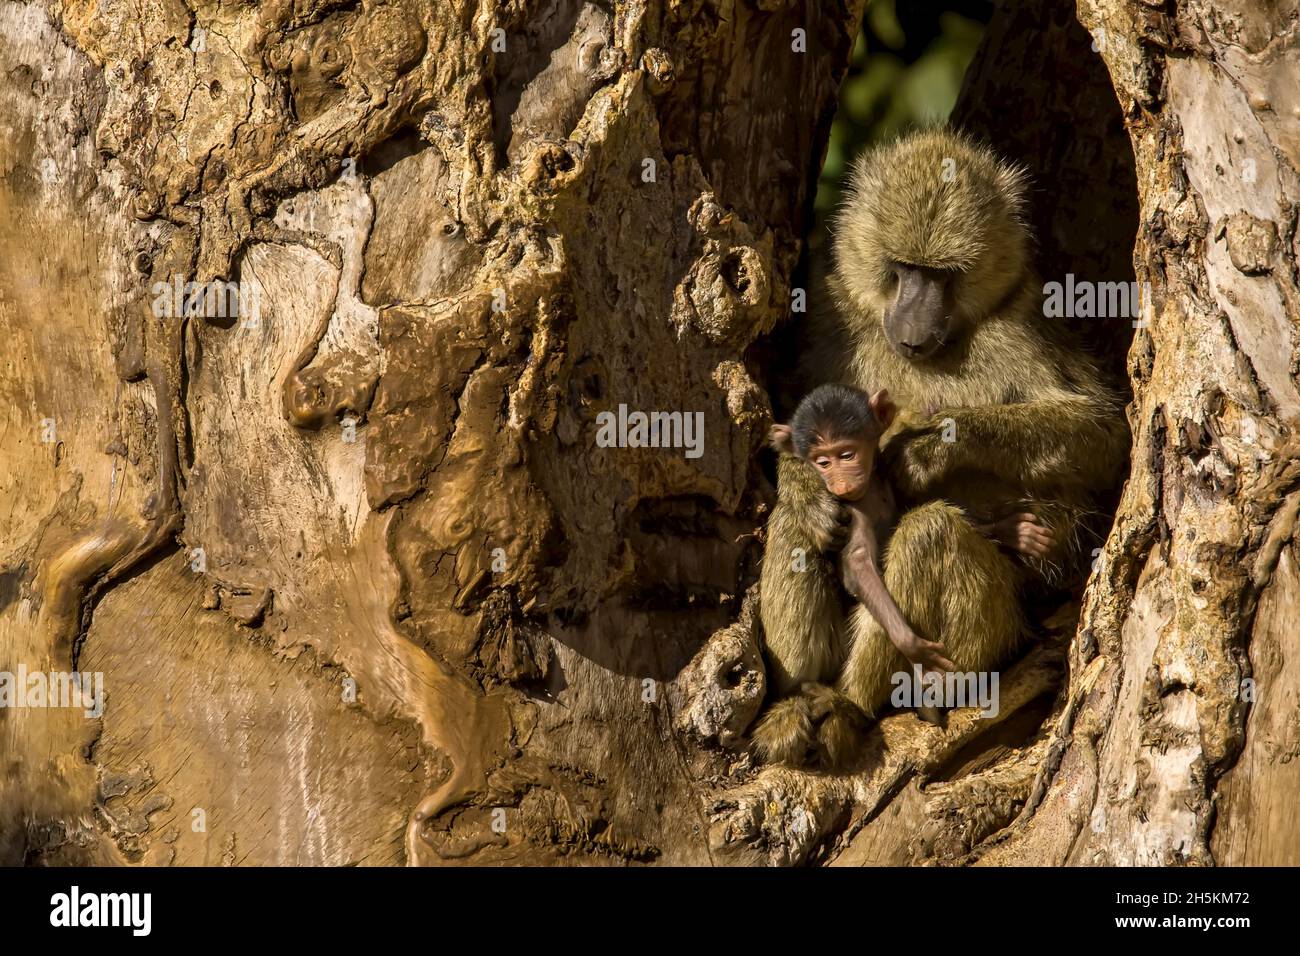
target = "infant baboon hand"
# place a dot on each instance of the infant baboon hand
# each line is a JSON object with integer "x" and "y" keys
{"x": 929, "y": 654}
{"x": 832, "y": 538}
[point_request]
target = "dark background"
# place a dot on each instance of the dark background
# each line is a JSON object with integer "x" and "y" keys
{"x": 906, "y": 71}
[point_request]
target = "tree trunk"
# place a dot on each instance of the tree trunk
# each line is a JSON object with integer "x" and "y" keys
{"x": 365, "y": 581}
{"x": 1180, "y": 734}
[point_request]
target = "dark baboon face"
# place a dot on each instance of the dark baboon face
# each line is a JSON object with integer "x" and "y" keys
{"x": 929, "y": 240}
{"x": 919, "y": 320}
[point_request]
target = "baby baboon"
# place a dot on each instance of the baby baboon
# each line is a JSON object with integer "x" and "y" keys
{"x": 837, "y": 429}
{"x": 935, "y": 301}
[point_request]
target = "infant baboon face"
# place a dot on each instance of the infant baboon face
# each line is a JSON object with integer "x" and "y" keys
{"x": 837, "y": 428}
{"x": 845, "y": 464}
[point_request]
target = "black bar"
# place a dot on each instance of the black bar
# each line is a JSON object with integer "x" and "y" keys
{"x": 659, "y": 907}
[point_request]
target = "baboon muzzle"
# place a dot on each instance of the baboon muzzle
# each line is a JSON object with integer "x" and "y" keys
{"x": 917, "y": 322}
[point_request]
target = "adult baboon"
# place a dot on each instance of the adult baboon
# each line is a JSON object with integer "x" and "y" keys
{"x": 934, "y": 299}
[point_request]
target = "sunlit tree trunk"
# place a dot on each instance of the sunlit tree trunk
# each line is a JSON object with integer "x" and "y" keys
{"x": 1184, "y": 686}
{"x": 362, "y": 580}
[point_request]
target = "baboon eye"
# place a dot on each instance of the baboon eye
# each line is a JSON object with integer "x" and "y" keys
{"x": 848, "y": 455}
{"x": 892, "y": 274}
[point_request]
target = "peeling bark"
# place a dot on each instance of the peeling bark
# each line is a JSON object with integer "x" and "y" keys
{"x": 1174, "y": 752}
{"x": 374, "y": 506}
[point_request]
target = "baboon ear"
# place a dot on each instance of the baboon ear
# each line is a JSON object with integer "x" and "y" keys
{"x": 781, "y": 438}
{"x": 884, "y": 408}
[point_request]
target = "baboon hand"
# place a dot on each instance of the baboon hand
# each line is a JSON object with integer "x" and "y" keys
{"x": 928, "y": 654}
{"x": 832, "y": 538}
{"x": 916, "y": 457}
{"x": 1024, "y": 534}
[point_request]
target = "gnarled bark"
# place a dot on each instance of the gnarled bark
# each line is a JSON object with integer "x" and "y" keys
{"x": 356, "y": 565}
{"x": 363, "y": 584}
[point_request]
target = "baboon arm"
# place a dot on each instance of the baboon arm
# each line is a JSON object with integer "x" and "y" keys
{"x": 860, "y": 567}
{"x": 798, "y": 484}
{"x": 871, "y": 591}
{"x": 1050, "y": 442}
{"x": 800, "y": 599}
{"x": 813, "y": 510}
{"x": 1053, "y": 442}
{"x": 875, "y": 597}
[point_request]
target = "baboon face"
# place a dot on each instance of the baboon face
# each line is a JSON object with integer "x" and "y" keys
{"x": 929, "y": 240}
{"x": 837, "y": 428}
{"x": 919, "y": 319}
{"x": 845, "y": 465}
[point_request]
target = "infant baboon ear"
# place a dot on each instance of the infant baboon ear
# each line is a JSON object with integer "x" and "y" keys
{"x": 781, "y": 437}
{"x": 883, "y": 407}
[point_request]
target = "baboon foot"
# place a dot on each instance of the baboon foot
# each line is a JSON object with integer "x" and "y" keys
{"x": 840, "y": 727}
{"x": 819, "y": 727}
{"x": 785, "y": 734}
